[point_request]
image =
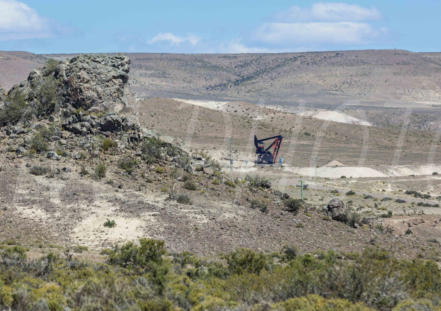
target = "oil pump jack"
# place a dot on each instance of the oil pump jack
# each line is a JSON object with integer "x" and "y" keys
{"x": 264, "y": 155}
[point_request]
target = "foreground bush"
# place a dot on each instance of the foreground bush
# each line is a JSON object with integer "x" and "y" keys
{"x": 144, "y": 276}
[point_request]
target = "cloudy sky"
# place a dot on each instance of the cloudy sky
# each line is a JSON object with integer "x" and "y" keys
{"x": 224, "y": 26}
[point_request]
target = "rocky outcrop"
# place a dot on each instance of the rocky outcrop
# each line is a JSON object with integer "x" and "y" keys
{"x": 83, "y": 124}
{"x": 86, "y": 83}
{"x": 96, "y": 82}
{"x": 86, "y": 89}
{"x": 70, "y": 107}
{"x": 336, "y": 209}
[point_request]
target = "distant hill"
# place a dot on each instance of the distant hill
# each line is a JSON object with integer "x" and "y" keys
{"x": 391, "y": 77}
{"x": 385, "y": 76}
{"x": 15, "y": 67}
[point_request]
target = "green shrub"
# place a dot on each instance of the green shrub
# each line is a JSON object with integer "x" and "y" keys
{"x": 417, "y": 194}
{"x": 190, "y": 185}
{"x": 293, "y": 205}
{"x": 128, "y": 164}
{"x": 39, "y": 170}
{"x": 100, "y": 170}
{"x": 183, "y": 199}
{"x": 246, "y": 261}
{"x": 160, "y": 170}
{"x": 260, "y": 205}
{"x": 140, "y": 257}
{"x": 315, "y": 302}
{"x": 108, "y": 144}
{"x": 110, "y": 223}
{"x": 387, "y": 215}
{"x": 48, "y": 97}
{"x": 39, "y": 143}
{"x": 15, "y": 108}
{"x": 230, "y": 183}
{"x": 258, "y": 182}
{"x": 350, "y": 192}
{"x": 50, "y": 67}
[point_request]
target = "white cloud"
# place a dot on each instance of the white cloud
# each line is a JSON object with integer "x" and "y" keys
{"x": 316, "y": 33}
{"x": 331, "y": 11}
{"x": 19, "y": 21}
{"x": 237, "y": 47}
{"x": 343, "y": 11}
{"x": 322, "y": 24}
{"x": 174, "y": 39}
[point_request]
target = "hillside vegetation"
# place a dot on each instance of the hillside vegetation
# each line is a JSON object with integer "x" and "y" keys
{"x": 145, "y": 276}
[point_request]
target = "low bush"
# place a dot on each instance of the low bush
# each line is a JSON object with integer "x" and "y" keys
{"x": 143, "y": 276}
{"x": 14, "y": 109}
{"x": 417, "y": 194}
{"x": 293, "y": 205}
{"x": 350, "y": 192}
{"x": 160, "y": 169}
{"x": 230, "y": 183}
{"x": 128, "y": 164}
{"x": 190, "y": 185}
{"x": 110, "y": 223}
{"x": 246, "y": 261}
{"x": 100, "y": 170}
{"x": 39, "y": 142}
{"x": 108, "y": 144}
{"x": 39, "y": 170}
{"x": 260, "y": 205}
{"x": 258, "y": 182}
{"x": 183, "y": 199}
{"x": 425, "y": 204}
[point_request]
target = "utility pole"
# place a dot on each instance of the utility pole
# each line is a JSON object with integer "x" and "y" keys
{"x": 231, "y": 155}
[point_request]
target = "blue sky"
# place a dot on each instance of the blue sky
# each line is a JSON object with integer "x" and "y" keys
{"x": 228, "y": 26}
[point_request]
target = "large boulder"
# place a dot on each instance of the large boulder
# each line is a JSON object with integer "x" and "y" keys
{"x": 337, "y": 210}
{"x": 96, "y": 82}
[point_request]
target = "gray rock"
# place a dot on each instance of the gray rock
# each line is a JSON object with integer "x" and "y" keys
{"x": 20, "y": 150}
{"x": 336, "y": 209}
{"x": 96, "y": 81}
{"x": 53, "y": 155}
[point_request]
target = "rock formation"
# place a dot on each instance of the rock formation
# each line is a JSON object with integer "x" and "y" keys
{"x": 336, "y": 209}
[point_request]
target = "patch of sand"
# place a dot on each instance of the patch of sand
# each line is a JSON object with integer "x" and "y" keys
{"x": 209, "y": 104}
{"x": 336, "y": 172}
{"x": 91, "y": 230}
{"x": 334, "y": 116}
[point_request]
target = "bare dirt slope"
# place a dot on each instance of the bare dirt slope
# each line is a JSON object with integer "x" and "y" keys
{"x": 15, "y": 67}
{"x": 308, "y": 141}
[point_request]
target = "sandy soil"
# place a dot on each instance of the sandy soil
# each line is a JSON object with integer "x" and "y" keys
{"x": 334, "y": 116}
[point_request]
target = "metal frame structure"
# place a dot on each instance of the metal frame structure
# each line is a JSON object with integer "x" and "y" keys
{"x": 264, "y": 155}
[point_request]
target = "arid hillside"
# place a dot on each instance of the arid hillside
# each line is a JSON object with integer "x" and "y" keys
{"x": 15, "y": 67}
{"x": 373, "y": 77}
{"x": 392, "y": 78}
